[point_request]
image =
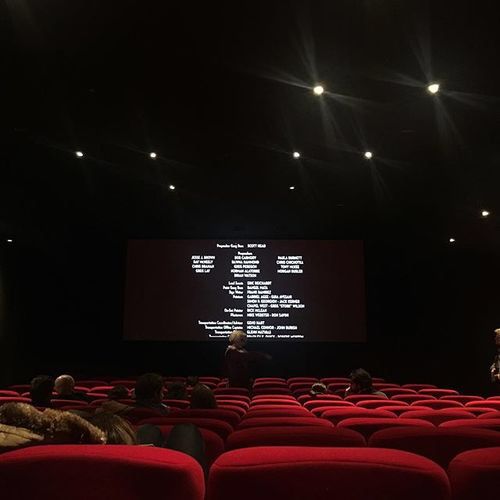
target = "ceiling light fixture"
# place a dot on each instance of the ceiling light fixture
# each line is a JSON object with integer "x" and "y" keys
{"x": 296, "y": 155}
{"x": 79, "y": 154}
{"x": 171, "y": 187}
{"x": 9, "y": 240}
{"x": 452, "y": 240}
{"x": 485, "y": 213}
{"x": 152, "y": 155}
{"x": 292, "y": 188}
{"x": 318, "y": 89}
{"x": 368, "y": 155}
{"x": 433, "y": 88}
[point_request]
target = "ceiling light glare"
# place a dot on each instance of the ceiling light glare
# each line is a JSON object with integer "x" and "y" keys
{"x": 296, "y": 155}
{"x": 292, "y": 188}
{"x": 318, "y": 89}
{"x": 452, "y": 240}
{"x": 152, "y": 155}
{"x": 9, "y": 240}
{"x": 79, "y": 154}
{"x": 485, "y": 213}
{"x": 171, "y": 187}
{"x": 433, "y": 88}
{"x": 368, "y": 155}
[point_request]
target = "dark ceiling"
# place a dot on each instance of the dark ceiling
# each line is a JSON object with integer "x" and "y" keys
{"x": 222, "y": 92}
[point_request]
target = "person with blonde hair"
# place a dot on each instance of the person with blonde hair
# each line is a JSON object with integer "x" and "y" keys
{"x": 239, "y": 360}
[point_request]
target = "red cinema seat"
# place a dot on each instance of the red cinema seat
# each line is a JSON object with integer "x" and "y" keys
{"x": 337, "y": 386}
{"x": 339, "y": 414}
{"x": 318, "y": 412}
{"x": 279, "y": 380}
{"x": 9, "y": 394}
{"x": 20, "y": 388}
{"x": 277, "y": 411}
{"x": 493, "y": 398}
{"x": 300, "y": 385}
{"x": 273, "y": 401}
{"x": 411, "y": 398}
{"x": 294, "y": 436}
{"x": 223, "y": 429}
{"x": 227, "y": 397}
{"x": 102, "y": 389}
{"x": 345, "y": 381}
{"x": 90, "y": 383}
{"x": 437, "y": 417}
{"x": 129, "y": 384}
{"x": 475, "y": 474}
{"x": 268, "y": 384}
{"x": 478, "y": 423}
{"x": 83, "y": 472}
{"x": 232, "y": 391}
{"x": 14, "y": 399}
{"x": 289, "y": 397}
{"x": 356, "y": 398}
{"x": 271, "y": 390}
{"x": 310, "y": 380}
{"x": 97, "y": 396}
{"x": 437, "y": 393}
{"x": 438, "y": 404}
{"x": 60, "y": 403}
{"x": 418, "y": 387}
{"x": 322, "y": 403}
{"x": 241, "y": 412}
{"x": 212, "y": 380}
{"x": 307, "y": 397}
{"x": 490, "y": 414}
{"x": 299, "y": 473}
{"x": 367, "y": 426}
{"x": 214, "y": 445}
{"x": 485, "y": 403}
{"x": 438, "y": 444}
{"x": 302, "y": 392}
{"x": 397, "y": 391}
{"x": 403, "y": 408}
{"x": 380, "y": 386}
{"x": 182, "y": 404}
{"x": 461, "y": 398}
{"x": 228, "y": 416}
{"x": 281, "y": 422}
{"x": 478, "y": 410}
{"x": 233, "y": 402}
{"x": 377, "y": 403}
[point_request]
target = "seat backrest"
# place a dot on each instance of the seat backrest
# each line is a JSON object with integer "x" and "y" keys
{"x": 437, "y": 393}
{"x": 309, "y": 380}
{"x": 488, "y": 403}
{"x": 9, "y": 394}
{"x": 461, "y": 398}
{"x": 293, "y": 436}
{"x": 271, "y": 390}
{"x": 99, "y": 472}
{"x": 438, "y": 404}
{"x": 417, "y": 387}
{"x": 398, "y": 410}
{"x": 397, "y": 391}
{"x": 223, "y": 429}
{"x": 367, "y": 426}
{"x": 323, "y": 473}
{"x": 284, "y": 421}
{"x": 411, "y": 398}
{"x": 319, "y": 403}
{"x": 273, "y": 401}
{"x": 377, "y": 403}
{"x": 228, "y": 416}
{"x": 356, "y": 398}
{"x": 14, "y": 399}
{"x": 438, "y": 444}
{"x": 478, "y": 423}
{"x": 277, "y": 411}
{"x": 490, "y": 414}
{"x": 437, "y": 416}
{"x": 339, "y": 414}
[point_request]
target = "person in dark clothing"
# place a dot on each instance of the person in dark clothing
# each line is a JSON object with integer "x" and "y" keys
{"x": 495, "y": 367}
{"x": 149, "y": 393}
{"x": 41, "y": 391}
{"x": 203, "y": 397}
{"x": 177, "y": 390}
{"x": 238, "y": 360}
{"x": 65, "y": 388}
{"x": 361, "y": 383}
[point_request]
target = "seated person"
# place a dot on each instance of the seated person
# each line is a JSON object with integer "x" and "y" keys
{"x": 317, "y": 389}
{"x": 361, "y": 383}
{"x": 118, "y": 392}
{"x": 116, "y": 428}
{"x": 64, "y": 386}
{"x": 177, "y": 390}
{"x": 192, "y": 380}
{"x": 149, "y": 393}
{"x": 41, "y": 391}
{"x": 202, "y": 397}
{"x": 113, "y": 405}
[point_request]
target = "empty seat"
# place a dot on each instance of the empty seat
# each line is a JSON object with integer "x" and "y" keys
{"x": 236, "y": 409}
{"x": 83, "y": 472}
{"x": 273, "y": 401}
{"x": 478, "y": 410}
{"x": 402, "y": 408}
{"x": 417, "y": 387}
{"x": 438, "y": 404}
{"x": 228, "y": 416}
{"x": 367, "y": 426}
{"x": 284, "y": 421}
{"x": 223, "y": 429}
{"x": 270, "y": 379}
{"x": 19, "y": 388}
{"x": 437, "y": 416}
{"x": 9, "y": 394}
{"x": 300, "y": 385}
{"x": 488, "y": 403}
{"x": 235, "y": 397}
{"x": 265, "y": 384}
{"x": 377, "y": 403}
{"x": 411, "y": 398}
{"x": 337, "y": 386}
{"x": 318, "y": 412}
{"x": 311, "y": 380}
{"x": 397, "y": 391}
{"x": 475, "y": 474}
{"x": 307, "y": 397}
{"x": 325, "y": 473}
{"x": 461, "y": 398}
{"x": 356, "y": 398}
{"x": 320, "y": 403}
{"x": 294, "y": 436}
{"x": 289, "y": 397}
{"x": 478, "y": 423}
{"x": 277, "y": 411}
{"x": 490, "y": 414}
{"x": 102, "y": 389}
{"x": 439, "y": 444}
{"x": 233, "y": 402}
{"x": 235, "y": 391}
{"x": 437, "y": 393}
{"x": 271, "y": 390}
{"x": 337, "y": 415}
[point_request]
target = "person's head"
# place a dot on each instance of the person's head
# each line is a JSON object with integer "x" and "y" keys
{"x": 176, "y": 390}
{"x": 41, "y": 390}
{"x": 149, "y": 387}
{"x": 116, "y": 429}
{"x": 202, "y": 397}
{"x": 64, "y": 384}
{"x": 118, "y": 392}
{"x": 318, "y": 388}
{"x": 361, "y": 381}
{"x": 192, "y": 380}
{"x": 238, "y": 339}
{"x": 497, "y": 337}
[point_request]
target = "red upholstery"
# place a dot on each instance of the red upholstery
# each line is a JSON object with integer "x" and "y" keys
{"x": 97, "y": 396}
{"x": 411, "y": 398}
{"x": 300, "y": 385}
{"x": 288, "y": 397}
{"x": 340, "y": 414}
{"x": 438, "y": 444}
{"x": 270, "y": 379}
{"x": 475, "y": 475}
{"x": 437, "y": 416}
{"x": 274, "y": 402}
{"x": 397, "y": 391}
{"x": 235, "y": 391}
{"x": 213, "y": 380}
{"x": 129, "y": 384}
{"x": 294, "y": 436}
{"x": 223, "y": 429}
{"x": 356, "y": 398}
{"x": 228, "y": 416}
{"x": 9, "y": 394}
{"x": 367, "y": 426}
{"x": 271, "y": 390}
{"x": 310, "y": 380}
{"x": 230, "y": 397}
{"x": 59, "y": 403}
{"x": 461, "y": 398}
{"x": 288, "y": 421}
{"x": 380, "y": 386}
{"x": 494, "y": 398}
{"x": 438, "y": 404}
{"x": 277, "y": 411}
{"x": 337, "y": 386}
{"x": 402, "y": 409}
{"x": 319, "y": 403}
{"x": 479, "y": 423}
{"x": 91, "y": 383}
{"x": 103, "y": 389}
{"x": 490, "y": 414}
{"x": 336, "y": 380}
{"x": 214, "y": 445}
{"x": 418, "y": 387}
{"x": 84, "y": 472}
{"x": 269, "y": 384}
{"x": 477, "y": 410}
{"x": 307, "y": 397}
{"x": 182, "y": 404}
{"x": 437, "y": 393}
{"x": 488, "y": 403}
{"x": 20, "y": 388}
{"x": 14, "y": 399}
{"x": 377, "y": 403}
{"x": 299, "y": 473}
{"x": 236, "y": 409}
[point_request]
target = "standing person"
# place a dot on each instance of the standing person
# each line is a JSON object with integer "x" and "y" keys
{"x": 238, "y": 360}
{"x": 495, "y": 367}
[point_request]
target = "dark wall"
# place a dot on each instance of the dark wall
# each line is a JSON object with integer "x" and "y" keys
{"x": 431, "y": 312}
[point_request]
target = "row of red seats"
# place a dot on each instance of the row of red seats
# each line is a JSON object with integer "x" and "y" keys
{"x": 318, "y": 473}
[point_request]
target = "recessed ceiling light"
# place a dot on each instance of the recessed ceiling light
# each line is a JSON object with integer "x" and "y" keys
{"x": 292, "y": 188}
{"x": 171, "y": 187}
{"x": 318, "y": 89}
{"x": 485, "y": 213}
{"x": 452, "y": 240}
{"x": 296, "y": 155}
{"x": 9, "y": 240}
{"x": 433, "y": 88}
{"x": 79, "y": 154}
{"x": 152, "y": 155}
{"x": 368, "y": 155}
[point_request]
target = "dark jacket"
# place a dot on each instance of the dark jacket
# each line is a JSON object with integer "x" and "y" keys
{"x": 238, "y": 366}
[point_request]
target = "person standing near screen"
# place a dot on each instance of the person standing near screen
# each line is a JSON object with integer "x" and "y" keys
{"x": 238, "y": 360}
{"x": 495, "y": 367}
